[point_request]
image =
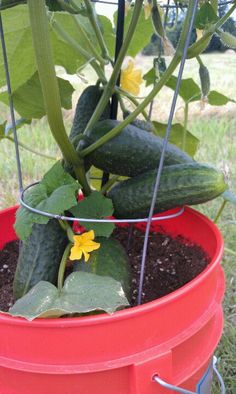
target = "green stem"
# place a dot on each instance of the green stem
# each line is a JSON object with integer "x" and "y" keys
{"x": 93, "y": 20}
{"x": 220, "y": 211}
{"x": 200, "y": 62}
{"x": 31, "y": 150}
{"x": 200, "y": 45}
{"x": 133, "y": 100}
{"x": 109, "y": 183}
{"x": 61, "y": 272}
{"x": 72, "y": 42}
{"x": 88, "y": 42}
{"x": 186, "y": 108}
{"x": 230, "y": 251}
{"x": 116, "y": 70}
{"x": 50, "y": 89}
{"x": 64, "y": 225}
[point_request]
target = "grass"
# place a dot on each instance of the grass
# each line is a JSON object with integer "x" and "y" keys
{"x": 214, "y": 126}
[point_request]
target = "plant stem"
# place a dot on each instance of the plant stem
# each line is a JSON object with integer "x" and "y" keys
{"x": 88, "y": 42}
{"x": 110, "y": 183}
{"x": 93, "y": 20}
{"x": 186, "y": 108}
{"x": 116, "y": 70}
{"x": 133, "y": 100}
{"x": 50, "y": 89}
{"x": 220, "y": 211}
{"x": 61, "y": 272}
{"x": 72, "y": 42}
{"x": 199, "y": 60}
{"x": 30, "y": 149}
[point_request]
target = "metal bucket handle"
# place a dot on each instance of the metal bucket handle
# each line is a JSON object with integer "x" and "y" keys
{"x": 169, "y": 386}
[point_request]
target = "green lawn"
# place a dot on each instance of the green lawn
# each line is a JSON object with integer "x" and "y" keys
{"x": 215, "y": 126}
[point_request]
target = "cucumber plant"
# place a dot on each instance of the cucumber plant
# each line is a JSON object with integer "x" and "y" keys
{"x": 70, "y": 33}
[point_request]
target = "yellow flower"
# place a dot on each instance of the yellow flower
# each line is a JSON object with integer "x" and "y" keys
{"x": 83, "y": 244}
{"x": 131, "y": 79}
{"x": 147, "y": 8}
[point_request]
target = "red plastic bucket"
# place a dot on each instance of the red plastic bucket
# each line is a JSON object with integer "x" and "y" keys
{"x": 173, "y": 337}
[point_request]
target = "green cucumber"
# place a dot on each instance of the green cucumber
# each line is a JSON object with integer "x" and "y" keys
{"x": 181, "y": 184}
{"x": 109, "y": 260}
{"x": 40, "y": 257}
{"x": 85, "y": 108}
{"x": 130, "y": 153}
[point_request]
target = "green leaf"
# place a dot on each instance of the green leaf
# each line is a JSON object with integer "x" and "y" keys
{"x": 140, "y": 39}
{"x": 2, "y": 129}
{"x": 216, "y": 98}
{"x": 177, "y": 136}
{"x": 109, "y": 260}
{"x": 28, "y": 98}
{"x": 189, "y": 90}
{"x": 55, "y": 194}
{"x": 228, "y": 39}
{"x": 108, "y": 33}
{"x": 82, "y": 293}
{"x": 95, "y": 206}
{"x": 150, "y": 77}
{"x": 20, "y": 50}
{"x": 205, "y": 16}
{"x": 229, "y": 196}
{"x": 4, "y": 4}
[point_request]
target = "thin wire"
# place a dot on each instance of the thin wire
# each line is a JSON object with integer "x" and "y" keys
{"x": 72, "y": 219}
{"x": 160, "y": 167}
{"x": 13, "y": 120}
{"x": 222, "y": 4}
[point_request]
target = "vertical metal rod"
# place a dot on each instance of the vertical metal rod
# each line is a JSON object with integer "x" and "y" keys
{"x": 119, "y": 42}
{"x": 160, "y": 167}
{"x": 13, "y": 120}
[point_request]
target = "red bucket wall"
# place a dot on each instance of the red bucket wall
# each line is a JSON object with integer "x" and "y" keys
{"x": 173, "y": 337}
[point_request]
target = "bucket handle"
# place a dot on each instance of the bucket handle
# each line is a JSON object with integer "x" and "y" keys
{"x": 169, "y": 386}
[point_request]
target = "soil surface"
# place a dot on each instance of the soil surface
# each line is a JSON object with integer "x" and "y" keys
{"x": 170, "y": 264}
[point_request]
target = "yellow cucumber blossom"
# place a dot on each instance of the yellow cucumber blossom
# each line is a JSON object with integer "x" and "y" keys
{"x": 83, "y": 245}
{"x": 131, "y": 78}
{"x": 147, "y": 8}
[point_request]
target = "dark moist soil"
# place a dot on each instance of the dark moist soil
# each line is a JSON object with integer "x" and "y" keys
{"x": 170, "y": 264}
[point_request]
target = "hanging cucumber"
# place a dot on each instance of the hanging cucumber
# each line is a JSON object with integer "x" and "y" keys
{"x": 132, "y": 152}
{"x": 40, "y": 257}
{"x": 85, "y": 108}
{"x": 181, "y": 184}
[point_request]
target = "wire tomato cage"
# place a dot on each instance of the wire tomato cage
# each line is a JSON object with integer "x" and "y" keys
{"x": 113, "y": 115}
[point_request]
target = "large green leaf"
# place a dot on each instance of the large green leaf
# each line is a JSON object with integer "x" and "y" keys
{"x": 54, "y": 5}
{"x": 206, "y": 16}
{"x": 82, "y": 293}
{"x": 109, "y": 260}
{"x": 142, "y": 34}
{"x": 189, "y": 90}
{"x": 19, "y": 45}
{"x": 177, "y": 137}
{"x": 28, "y": 98}
{"x": 108, "y": 33}
{"x": 95, "y": 206}
{"x": 54, "y": 194}
{"x": 216, "y": 98}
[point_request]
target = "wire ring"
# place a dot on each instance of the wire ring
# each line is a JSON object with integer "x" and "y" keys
{"x": 72, "y": 219}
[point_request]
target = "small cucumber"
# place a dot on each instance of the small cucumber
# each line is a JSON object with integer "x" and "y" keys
{"x": 181, "y": 184}
{"x": 130, "y": 153}
{"x": 40, "y": 257}
{"x": 109, "y": 260}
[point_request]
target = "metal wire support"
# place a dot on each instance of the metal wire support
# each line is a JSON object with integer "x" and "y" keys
{"x": 161, "y": 164}
{"x": 171, "y": 387}
{"x": 72, "y": 219}
{"x": 11, "y": 105}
